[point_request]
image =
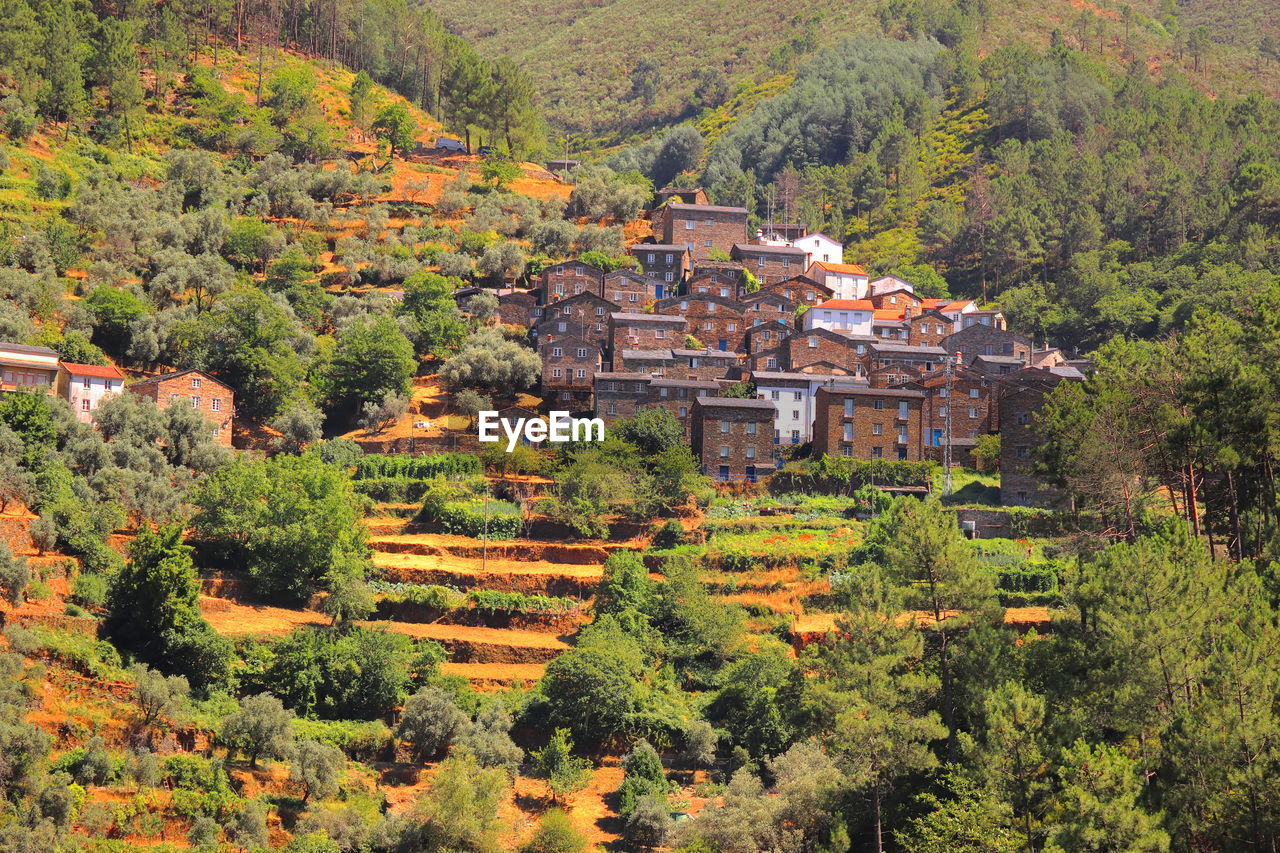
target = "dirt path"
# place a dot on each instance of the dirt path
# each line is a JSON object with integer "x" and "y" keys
{"x": 230, "y": 617}
{"x": 473, "y": 635}
{"x": 493, "y": 676}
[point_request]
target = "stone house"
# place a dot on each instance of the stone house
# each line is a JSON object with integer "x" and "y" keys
{"x": 769, "y": 264}
{"x": 701, "y": 228}
{"x": 194, "y": 388}
{"x": 620, "y": 395}
{"x": 584, "y": 316}
{"x": 645, "y": 331}
{"x": 715, "y": 321}
{"x": 669, "y": 264}
{"x": 569, "y": 279}
{"x": 569, "y": 368}
{"x": 733, "y": 438}
{"x": 868, "y": 423}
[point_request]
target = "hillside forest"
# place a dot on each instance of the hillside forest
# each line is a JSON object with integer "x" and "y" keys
{"x": 314, "y": 643}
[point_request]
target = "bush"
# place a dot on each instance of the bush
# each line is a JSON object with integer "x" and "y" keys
{"x": 451, "y": 465}
{"x": 431, "y": 721}
{"x": 840, "y": 476}
{"x": 555, "y": 834}
{"x": 474, "y": 517}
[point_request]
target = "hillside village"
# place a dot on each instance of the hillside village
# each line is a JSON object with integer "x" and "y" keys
{"x": 936, "y": 507}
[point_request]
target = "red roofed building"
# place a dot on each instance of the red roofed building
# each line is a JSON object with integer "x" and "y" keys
{"x": 848, "y": 316}
{"x": 846, "y": 281}
{"x": 86, "y": 385}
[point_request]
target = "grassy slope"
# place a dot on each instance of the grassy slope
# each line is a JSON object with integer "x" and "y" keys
{"x": 581, "y": 51}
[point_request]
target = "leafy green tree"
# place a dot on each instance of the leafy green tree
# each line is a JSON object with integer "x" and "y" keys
{"x": 261, "y": 727}
{"x": 555, "y": 834}
{"x": 360, "y": 97}
{"x": 62, "y": 94}
{"x": 500, "y": 172}
{"x": 396, "y": 127}
{"x": 969, "y": 821}
{"x": 428, "y": 299}
{"x": 352, "y": 672}
{"x": 565, "y": 773}
{"x": 922, "y": 550}
{"x": 489, "y": 740}
{"x": 489, "y": 361}
{"x": 158, "y": 696}
{"x": 153, "y": 609}
{"x": 119, "y": 70}
{"x": 317, "y": 767}
{"x": 642, "y": 776}
{"x": 15, "y": 575}
{"x": 431, "y": 721}
{"x": 460, "y": 811}
{"x": 1098, "y": 806}
{"x": 373, "y": 360}
{"x": 300, "y": 425}
{"x": 291, "y": 522}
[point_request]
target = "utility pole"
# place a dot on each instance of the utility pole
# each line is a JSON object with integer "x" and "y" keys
{"x": 946, "y": 432}
{"x": 484, "y": 551}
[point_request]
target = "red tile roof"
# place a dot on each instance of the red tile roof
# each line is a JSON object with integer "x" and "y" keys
{"x": 847, "y": 304}
{"x": 844, "y": 268}
{"x": 107, "y": 371}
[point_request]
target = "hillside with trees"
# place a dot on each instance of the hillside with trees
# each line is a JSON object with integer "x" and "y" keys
{"x": 612, "y": 69}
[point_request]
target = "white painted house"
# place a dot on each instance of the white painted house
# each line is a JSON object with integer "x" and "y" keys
{"x": 820, "y": 247}
{"x": 87, "y": 385}
{"x": 845, "y": 281}
{"x": 793, "y": 396}
{"x": 847, "y": 316}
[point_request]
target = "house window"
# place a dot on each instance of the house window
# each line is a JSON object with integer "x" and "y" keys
{"x": 751, "y": 428}
{"x": 903, "y": 410}
{"x": 848, "y": 407}
{"x": 577, "y": 270}
{"x": 567, "y": 310}
{"x": 771, "y": 363}
{"x": 556, "y": 352}
{"x": 878, "y": 405}
{"x": 1022, "y": 419}
{"x": 724, "y": 452}
{"x": 84, "y": 404}
{"x": 613, "y": 407}
{"x": 216, "y": 404}
{"x": 973, "y": 413}
{"x": 599, "y": 310}
{"x": 662, "y": 392}
{"x": 684, "y": 411}
{"x": 1023, "y": 452}
{"x": 942, "y": 411}
{"x": 87, "y": 383}
{"x": 877, "y": 453}
{"x": 813, "y": 342}
{"x": 773, "y": 395}
{"x": 973, "y": 393}
{"x": 195, "y": 381}
{"x": 631, "y": 297}
{"x": 733, "y": 327}
{"x": 902, "y": 435}
{"x": 652, "y": 257}
{"x": 848, "y": 432}
{"x": 582, "y": 353}
{"x": 556, "y": 373}
{"x": 582, "y": 374}
{"x": 846, "y": 450}
{"x": 195, "y": 402}
{"x": 560, "y": 327}
{"x": 751, "y": 453}
{"x": 684, "y": 305}
{"x": 688, "y": 225}
{"x": 799, "y": 395}
{"x": 660, "y": 333}
{"x": 669, "y": 276}
{"x": 724, "y": 426}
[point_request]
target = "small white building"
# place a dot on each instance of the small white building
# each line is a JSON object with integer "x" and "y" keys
{"x": 820, "y": 248}
{"x": 845, "y": 281}
{"x": 793, "y": 396}
{"x": 87, "y": 385}
{"x": 888, "y": 283}
{"x": 25, "y": 368}
{"x": 847, "y": 316}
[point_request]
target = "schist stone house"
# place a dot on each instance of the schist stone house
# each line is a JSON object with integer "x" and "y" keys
{"x": 669, "y": 264}
{"x": 701, "y": 228}
{"x": 645, "y": 331}
{"x": 1021, "y": 395}
{"x": 192, "y": 388}
{"x": 629, "y": 290}
{"x": 569, "y": 368}
{"x": 794, "y": 395}
{"x": 733, "y": 438}
{"x": 868, "y": 423}
{"x": 769, "y": 264}
{"x": 569, "y": 279}
{"x": 714, "y": 320}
